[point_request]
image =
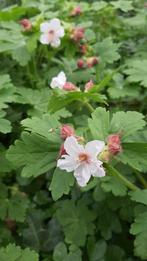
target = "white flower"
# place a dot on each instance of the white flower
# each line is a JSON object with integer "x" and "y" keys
{"x": 58, "y": 81}
{"x": 82, "y": 160}
{"x": 51, "y": 31}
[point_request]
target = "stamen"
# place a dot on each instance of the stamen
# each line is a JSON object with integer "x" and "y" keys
{"x": 84, "y": 157}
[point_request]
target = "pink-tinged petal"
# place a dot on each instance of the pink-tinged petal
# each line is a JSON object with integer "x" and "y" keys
{"x": 82, "y": 174}
{"x": 58, "y": 81}
{"x": 60, "y": 32}
{"x": 55, "y": 43}
{"x": 44, "y": 27}
{"x": 55, "y": 23}
{"x": 67, "y": 163}
{"x": 44, "y": 39}
{"x": 62, "y": 77}
{"x": 72, "y": 147}
{"x": 97, "y": 169}
{"x": 94, "y": 147}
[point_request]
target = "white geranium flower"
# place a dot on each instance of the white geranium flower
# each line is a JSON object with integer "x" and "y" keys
{"x": 58, "y": 81}
{"x": 82, "y": 160}
{"x": 51, "y": 31}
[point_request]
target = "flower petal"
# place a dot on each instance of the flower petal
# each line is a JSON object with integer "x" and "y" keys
{"x": 82, "y": 174}
{"x": 72, "y": 147}
{"x": 44, "y": 39}
{"x": 44, "y": 27}
{"x": 58, "y": 81}
{"x": 55, "y": 23}
{"x": 55, "y": 43}
{"x": 94, "y": 147}
{"x": 97, "y": 169}
{"x": 67, "y": 163}
{"x": 60, "y": 32}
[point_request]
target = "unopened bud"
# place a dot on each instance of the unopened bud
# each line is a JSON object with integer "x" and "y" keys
{"x": 76, "y": 11}
{"x": 27, "y": 25}
{"x": 89, "y": 85}
{"x": 114, "y": 144}
{"x": 66, "y": 131}
{"x": 80, "y": 63}
{"x": 77, "y": 34}
{"x": 68, "y": 86}
{"x": 91, "y": 61}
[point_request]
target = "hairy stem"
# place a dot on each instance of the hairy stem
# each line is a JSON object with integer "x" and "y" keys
{"x": 113, "y": 172}
{"x": 141, "y": 179}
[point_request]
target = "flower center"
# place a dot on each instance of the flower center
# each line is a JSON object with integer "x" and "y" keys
{"x": 84, "y": 157}
{"x": 51, "y": 34}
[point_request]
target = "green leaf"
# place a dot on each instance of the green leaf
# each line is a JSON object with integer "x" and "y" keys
{"x": 14, "y": 207}
{"x": 47, "y": 126}
{"x": 21, "y": 55}
{"x": 76, "y": 221}
{"x": 98, "y": 6}
{"x": 34, "y": 153}
{"x": 108, "y": 222}
{"x": 15, "y": 253}
{"x": 7, "y": 90}
{"x": 123, "y": 5}
{"x": 127, "y": 123}
{"x": 59, "y": 98}
{"x": 99, "y": 251}
{"x": 139, "y": 196}
{"x": 61, "y": 183}
{"x": 99, "y": 124}
{"x": 11, "y": 37}
{"x": 60, "y": 252}
{"x": 114, "y": 185}
{"x": 135, "y": 155}
{"x": 115, "y": 253}
{"x": 137, "y": 72}
{"x": 107, "y": 50}
{"x": 139, "y": 229}
{"x": 5, "y": 125}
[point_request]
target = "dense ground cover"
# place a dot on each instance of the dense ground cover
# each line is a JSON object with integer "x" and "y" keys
{"x": 73, "y": 149}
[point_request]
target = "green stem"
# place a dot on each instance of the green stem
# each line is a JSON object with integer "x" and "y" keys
{"x": 141, "y": 178}
{"x": 113, "y": 172}
{"x": 89, "y": 106}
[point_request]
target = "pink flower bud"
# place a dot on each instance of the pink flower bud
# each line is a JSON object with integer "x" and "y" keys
{"x": 66, "y": 131}
{"x": 83, "y": 48}
{"x": 62, "y": 151}
{"x": 89, "y": 85}
{"x": 80, "y": 63}
{"x": 68, "y": 86}
{"x": 77, "y": 34}
{"x": 76, "y": 11}
{"x": 114, "y": 144}
{"x": 91, "y": 61}
{"x": 27, "y": 25}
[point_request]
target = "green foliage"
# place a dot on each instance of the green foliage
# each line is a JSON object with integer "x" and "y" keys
{"x": 137, "y": 72}
{"x": 107, "y": 50}
{"x": 112, "y": 184}
{"x": 61, "y": 183}
{"x": 99, "y": 124}
{"x": 76, "y": 221}
{"x": 14, "y": 253}
{"x": 33, "y": 152}
{"x": 44, "y": 214}
{"x": 139, "y": 229}
{"x": 15, "y": 207}
{"x": 139, "y": 196}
